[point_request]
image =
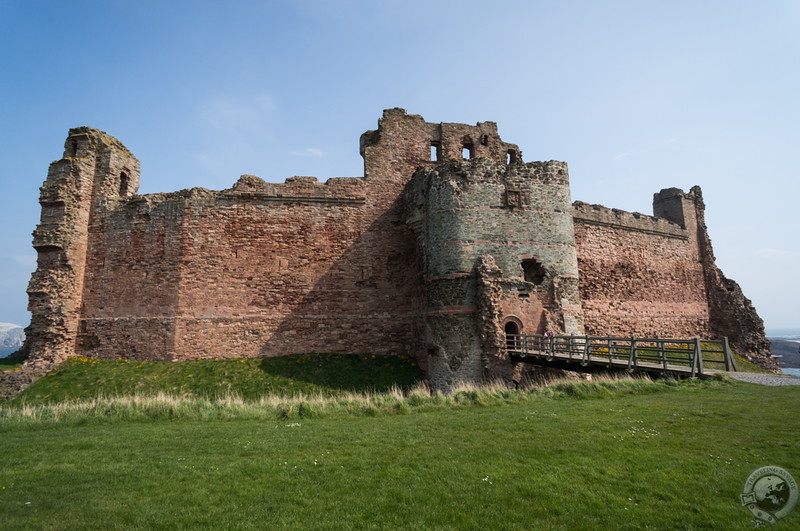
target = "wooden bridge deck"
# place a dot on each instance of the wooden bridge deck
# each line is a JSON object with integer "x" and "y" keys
{"x": 682, "y": 357}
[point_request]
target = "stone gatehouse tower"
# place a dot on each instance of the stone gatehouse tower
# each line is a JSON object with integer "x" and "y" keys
{"x": 498, "y": 248}
{"x": 447, "y": 242}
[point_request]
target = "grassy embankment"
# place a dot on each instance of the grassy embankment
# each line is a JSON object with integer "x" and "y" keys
{"x": 586, "y": 455}
{"x": 313, "y": 374}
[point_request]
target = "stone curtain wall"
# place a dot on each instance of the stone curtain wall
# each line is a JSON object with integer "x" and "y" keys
{"x": 133, "y": 280}
{"x": 260, "y": 269}
{"x": 265, "y": 269}
{"x": 267, "y": 276}
{"x": 639, "y": 275}
{"x": 646, "y": 276}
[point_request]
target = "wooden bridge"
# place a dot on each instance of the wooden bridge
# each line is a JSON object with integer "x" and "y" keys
{"x": 680, "y": 357}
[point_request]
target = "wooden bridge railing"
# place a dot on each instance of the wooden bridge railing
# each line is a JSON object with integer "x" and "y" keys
{"x": 692, "y": 356}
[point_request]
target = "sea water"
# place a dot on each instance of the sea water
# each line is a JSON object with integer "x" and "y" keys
{"x": 794, "y": 371}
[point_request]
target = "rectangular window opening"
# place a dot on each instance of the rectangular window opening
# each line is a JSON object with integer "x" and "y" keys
{"x": 435, "y": 151}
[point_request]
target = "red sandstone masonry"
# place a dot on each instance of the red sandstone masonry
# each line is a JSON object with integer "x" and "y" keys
{"x": 639, "y": 275}
{"x": 265, "y": 269}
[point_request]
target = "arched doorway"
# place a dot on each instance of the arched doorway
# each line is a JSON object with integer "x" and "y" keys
{"x": 512, "y": 331}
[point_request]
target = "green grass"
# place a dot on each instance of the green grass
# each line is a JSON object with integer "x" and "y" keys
{"x": 587, "y": 455}
{"x": 323, "y": 374}
{"x": 9, "y": 364}
{"x": 747, "y": 366}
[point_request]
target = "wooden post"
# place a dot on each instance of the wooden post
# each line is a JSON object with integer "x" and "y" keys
{"x": 585, "y": 350}
{"x": 730, "y": 362}
{"x": 632, "y": 355}
{"x": 698, "y": 354}
{"x": 663, "y": 353}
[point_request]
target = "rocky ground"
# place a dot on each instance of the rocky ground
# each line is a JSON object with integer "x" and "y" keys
{"x": 14, "y": 381}
{"x": 765, "y": 379}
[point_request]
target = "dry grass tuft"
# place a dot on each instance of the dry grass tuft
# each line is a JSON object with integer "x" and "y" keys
{"x": 142, "y": 407}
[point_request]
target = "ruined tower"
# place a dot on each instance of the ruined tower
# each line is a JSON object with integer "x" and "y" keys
{"x": 94, "y": 170}
{"x": 499, "y": 252}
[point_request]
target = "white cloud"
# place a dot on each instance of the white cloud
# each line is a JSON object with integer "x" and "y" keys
{"x": 654, "y": 146}
{"x": 234, "y": 134}
{"x": 308, "y": 152}
{"x": 238, "y": 116}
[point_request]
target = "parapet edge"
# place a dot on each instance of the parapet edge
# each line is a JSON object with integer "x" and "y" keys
{"x": 600, "y": 215}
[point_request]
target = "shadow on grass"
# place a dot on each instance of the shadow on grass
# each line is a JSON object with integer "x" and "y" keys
{"x": 346, "y": 372}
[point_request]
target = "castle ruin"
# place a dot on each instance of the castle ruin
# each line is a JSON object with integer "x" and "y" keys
{"x": 448, "y": 242}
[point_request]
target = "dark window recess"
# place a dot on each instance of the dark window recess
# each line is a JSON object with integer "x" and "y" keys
{"x": 124, "y": 182}
{"x": 511, "y": 156}
{"x": 533, "y": 271}
{"x": 72, "y": 148}
{"x": 485, "y": 139}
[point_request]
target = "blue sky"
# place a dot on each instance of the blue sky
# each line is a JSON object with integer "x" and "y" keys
{"x": 635, "y": 96}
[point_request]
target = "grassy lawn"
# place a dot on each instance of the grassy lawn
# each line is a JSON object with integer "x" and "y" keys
{"x": 665, "y": 456}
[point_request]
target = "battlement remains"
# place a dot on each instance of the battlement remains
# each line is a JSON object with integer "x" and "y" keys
{"x": 630, "y": 221}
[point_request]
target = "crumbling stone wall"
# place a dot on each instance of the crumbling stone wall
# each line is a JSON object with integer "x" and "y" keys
{"x": 732, "y": 315}
{"x": 448, "y": 242}
{"x": 96, "y": 169}
{"x": 656, "y": 276}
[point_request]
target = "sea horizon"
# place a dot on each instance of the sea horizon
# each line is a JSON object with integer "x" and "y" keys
{"x": 781, "y": 333}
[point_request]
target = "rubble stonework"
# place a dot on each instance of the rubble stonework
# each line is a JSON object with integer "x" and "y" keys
{"x": 731, "y": 313}
{"x": 448, "y": 242}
